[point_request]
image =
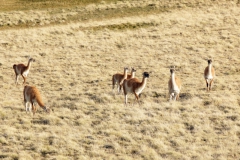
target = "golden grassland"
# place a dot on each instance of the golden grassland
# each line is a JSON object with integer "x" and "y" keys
{"x": 75, "y": 61}
{"x": 16, "y": 5}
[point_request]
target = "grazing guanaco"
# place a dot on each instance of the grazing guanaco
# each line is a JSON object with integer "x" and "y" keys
{"x": 119, "y": 78}
{"x": 32, "y": 95}
{"x": 174, "y": 85}
{"x": 134, "y": 86}
{"x": 21, "y": 69}
{"x": 209, "y": 74}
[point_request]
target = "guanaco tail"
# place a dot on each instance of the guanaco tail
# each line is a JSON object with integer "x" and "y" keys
{"x": 118, "y": 79}
{"x": 134, "y": 86}
{"x": 174, "y": 85}
{"x": 209, "y": 74}
{"x": 31, "y": 96}
{"x": 23, "y": 70}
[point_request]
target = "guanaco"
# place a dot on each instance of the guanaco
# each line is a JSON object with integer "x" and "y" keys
{"x": 134, "y": 86}
{"x": 119, "y": 78}
{"x": 209, "y": 74}
{"x": 32, "y": 95}
{"x": 21, "y": 69}
{"x": 174, "y": 85}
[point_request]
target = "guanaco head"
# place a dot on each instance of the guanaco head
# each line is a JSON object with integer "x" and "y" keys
{"x": 47, "y": 109}
{"x": 133, "y": 70}
{"x": 145, "y": 74}
{"x": 209, "y": 61}
{"x": 31, "y": 60}
{"x": 172, "y": 70}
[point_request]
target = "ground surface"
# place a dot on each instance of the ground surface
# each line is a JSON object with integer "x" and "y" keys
{"x": 77, "y": 50}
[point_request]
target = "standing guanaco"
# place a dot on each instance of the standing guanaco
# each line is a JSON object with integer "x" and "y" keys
{"x": 134, "y": 86}
{"x": 119, "y": 78}
{"x": 209, "y": 74}
{"x": 174, "y": 85}
{"x": 21, "y": 69}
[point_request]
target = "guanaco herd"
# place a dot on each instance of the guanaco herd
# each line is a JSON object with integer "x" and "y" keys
{"x": 130, "y": 84}
{"x": 124, "y": 81}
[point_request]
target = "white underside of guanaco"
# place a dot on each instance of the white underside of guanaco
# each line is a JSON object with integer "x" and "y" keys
{"x": 209, "y": 75}
{"x": 174, "y": 86}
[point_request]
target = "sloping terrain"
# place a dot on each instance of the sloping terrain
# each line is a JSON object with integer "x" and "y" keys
{"x": 76, "y": 56}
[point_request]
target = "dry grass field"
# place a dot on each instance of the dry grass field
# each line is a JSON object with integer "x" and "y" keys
{"x": 79, "y": 47}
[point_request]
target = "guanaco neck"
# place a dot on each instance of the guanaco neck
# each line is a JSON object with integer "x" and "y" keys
{"x": 144, "y": 82}
{"x": 132, "y": 74}
{"x": 41, "y": 104}
{"x": 174, "y": 84}
{"x": 125, "y": 74}
{"x": 29, "y": 64}
{"x": 210, "y": 69}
